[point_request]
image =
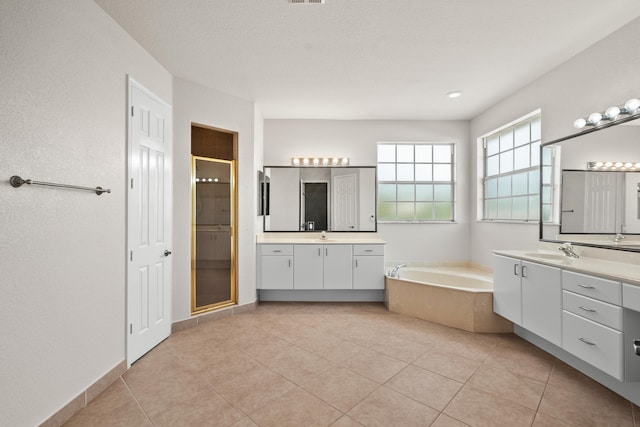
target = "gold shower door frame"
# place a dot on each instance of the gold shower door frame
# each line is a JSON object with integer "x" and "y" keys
{"x": 195, "y": 309}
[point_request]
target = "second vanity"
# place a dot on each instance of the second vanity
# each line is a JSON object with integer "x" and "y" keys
{"x": 585, "y": 311}
{"x": 311, "y": 268}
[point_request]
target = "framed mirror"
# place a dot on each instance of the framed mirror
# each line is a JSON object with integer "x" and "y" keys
{"x": 595, "y": 198}
{"x": 318, "y": 198}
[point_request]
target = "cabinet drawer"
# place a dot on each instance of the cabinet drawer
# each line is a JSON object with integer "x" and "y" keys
{"x": 368, "y": 249}
{"x": 598, "y": 311}
{"x": 593, "y": 287}
{"x": 276, "y": 249}
{"x": 631, "y": 296}
{"x": 594, "y": 343}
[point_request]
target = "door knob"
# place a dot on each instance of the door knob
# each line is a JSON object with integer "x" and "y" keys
{"x": 167, "y": 253}
{"x": 636, "y": 347}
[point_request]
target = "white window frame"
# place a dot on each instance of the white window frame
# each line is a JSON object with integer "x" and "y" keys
{"x": 451, "y": 182}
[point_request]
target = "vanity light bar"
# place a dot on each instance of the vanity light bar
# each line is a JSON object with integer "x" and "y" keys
{"x": 207, "y": 180}
{"x": 320, "y": 161}
{"x": 611, "y": 114}
{"x": 631, "y": 166}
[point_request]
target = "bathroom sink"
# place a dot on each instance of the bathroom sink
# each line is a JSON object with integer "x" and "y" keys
{"x": 554, "y": 257}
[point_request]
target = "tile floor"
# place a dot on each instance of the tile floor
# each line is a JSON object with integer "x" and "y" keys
{"x": 349, "y": 364}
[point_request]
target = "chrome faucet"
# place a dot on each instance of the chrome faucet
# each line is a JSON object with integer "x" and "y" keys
{"x": 567, "y": 248}
{"x": 323, "y": 235}
{"x": 618, "y": 238}
{"x": 394, "y": 271}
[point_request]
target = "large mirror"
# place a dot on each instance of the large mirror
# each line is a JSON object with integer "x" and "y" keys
{"x": 318, "y": 198}
{"x": 594, "y": 198}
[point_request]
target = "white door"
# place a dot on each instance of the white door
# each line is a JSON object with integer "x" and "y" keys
{"x": 345, "y": 207}
{"x": 149, "y": 234}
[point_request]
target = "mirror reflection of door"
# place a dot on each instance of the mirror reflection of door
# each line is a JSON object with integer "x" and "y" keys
{"x": 345, "y": 206}
{"x": 213, "y": 281}
{"x": 315, "y": 196}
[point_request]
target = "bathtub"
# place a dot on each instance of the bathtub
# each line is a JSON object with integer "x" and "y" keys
{"x": 459, "y": 297}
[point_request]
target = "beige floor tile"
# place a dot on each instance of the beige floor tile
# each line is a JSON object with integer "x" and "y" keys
{"x": 522, "y": 358}
{"x": 205, "y": 409}
{"x": 543, "y": 420}
{"x": 340, "y": 387}
{"x": 386, "y": 407}
{"x": 296, "y": 364}
{"x": 586, "y": 409}
{"x": 373, "y": 365}
{"x": 400, "y": 348}
{"x": 245, "y": 422}
{"x": 295, "y": 408}
{"x": 516, "y": 388}
{"x": 446, "y": 421}
{"x": 480, "y": 408}
{"x": 636, "y": 415}
{"x": 329, "y": 347}
{"x": 450, "y": 365}
{"x": 254, "y": 388}
{"x": 571, "y": 379}
{"x": 115, "y": 406}
{"x": 424, "y": 386}
{"x": 472, "y": 346}
{"x": 346, "y": 421}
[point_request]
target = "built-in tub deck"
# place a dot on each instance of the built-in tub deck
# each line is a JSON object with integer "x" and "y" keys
{"x": 460, "y": 297}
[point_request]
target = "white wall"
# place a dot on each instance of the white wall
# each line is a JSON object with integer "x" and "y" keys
{"x": 605, "y": 74}
{"x": 193, "y": 103}
{"x": 357, "y": 140}
{"x": 63, "y": 80}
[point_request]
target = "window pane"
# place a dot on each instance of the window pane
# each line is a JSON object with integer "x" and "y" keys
{"x": 387, "y": 192}
{"x": 442, "y": 193}
{"x": 386, "y": 172}
{"x": 519, "y": 208}
{"x": 442, "y": 172}
{"x": 546, "y": 195}
{"x": 536, "y": 129}
{"x": 423, "y": 154}
{"x": 491, "y": 211}
{"x": 424, "y": 192}
{"x": 546, "y": 213}
{"x": 546, "y": 174}
{"x": 491, "y": 188}
{"x": 534, "y": 181}
{"x": 387, "y": 211}
{"x": 506, "y": 161}
{"x": 519, "y": 184}
{"x": 444, "y": 211}
{"x": 534, "y": 207}
{"x": 504, "y": 186}
{"x": 535, "y": 154}
{"x": 386, "y": 153}
{"x": 521, "y": 155}
{"x": 493, "y": 165}
{"x": 405, "y": 153}
{"x": 493, "y": 145}
{"x": 547, "y": 155}
{"x": 504, "y": 208}
{"x": 442, "y": 154}
{"x": 424, "y": 172}
{"x": 506, "y": 140}
{"x": 405, "y": 192}
{"x": 405, "y": 211}
{"x": 424, "y": 211}
{"x": 521, "y": 134}
{"x": 405, "y": 172}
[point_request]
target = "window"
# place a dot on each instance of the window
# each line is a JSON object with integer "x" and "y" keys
{"x": 415, "y": 182}
{"x": 511, "y": 181}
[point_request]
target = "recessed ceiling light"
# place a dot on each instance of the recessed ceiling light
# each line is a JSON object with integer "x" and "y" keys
{"x": 454, "y": 94}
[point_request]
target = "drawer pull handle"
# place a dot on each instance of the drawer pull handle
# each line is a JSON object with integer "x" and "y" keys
{"x": 590, "y": 310}
{"x": 586, "y": 341}
{"x": 277, "y": 250}
{"x": 636, "y": 347}
{"x": 368, "y": 250}
{"x": 586, "y": 286}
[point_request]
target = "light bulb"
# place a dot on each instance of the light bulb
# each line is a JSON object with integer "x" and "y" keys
{"x": 618, "y": 164}
{"x": 612, "y": 113}
{"x": 594, "y": 118}
{"x": 345, "y": 161}
{"x": 335, "y": 161}
{"x": 580, "y": 123}
{"x": 325, "y": 161}
{"x": 305, "y": 162}
{"x": 632, "y": 105}
{"x": 316, "y": 162}
{"x": 628, "y": 165}
{"x": 296, "y": 161}
{"x": 215, "y": 180}
{"x": 637, "y": 165}
{"x": 599, "y": 164}
{"x": 608, "y": 164}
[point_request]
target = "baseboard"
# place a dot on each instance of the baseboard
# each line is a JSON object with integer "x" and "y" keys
{"x": 83, "y": 399}
{"x": 212, "y": 315}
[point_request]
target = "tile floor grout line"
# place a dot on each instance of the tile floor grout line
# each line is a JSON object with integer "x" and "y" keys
{"x": 137, "y": 401}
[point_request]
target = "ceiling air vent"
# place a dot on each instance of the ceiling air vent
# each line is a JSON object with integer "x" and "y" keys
{"x": 307, "y": 1}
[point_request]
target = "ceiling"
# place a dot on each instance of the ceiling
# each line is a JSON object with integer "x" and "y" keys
{"x": 367, "y": 59}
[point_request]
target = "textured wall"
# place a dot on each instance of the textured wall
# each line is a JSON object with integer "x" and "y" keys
{"x": 62, "y": 263}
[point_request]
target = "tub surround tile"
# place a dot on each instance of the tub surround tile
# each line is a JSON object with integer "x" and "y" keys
{"x": 509, "y": 386}
{"x": 386, "y": 407}
{"x": 424, "y": 386}
{"x": 480, "y": 408}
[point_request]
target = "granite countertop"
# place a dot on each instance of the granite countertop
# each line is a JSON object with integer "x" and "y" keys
{"x": 614, "y": 270}
{"x": 315, "y": 239}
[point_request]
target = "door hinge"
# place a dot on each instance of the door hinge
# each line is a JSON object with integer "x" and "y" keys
{"x": 131, "y": 256}
{"x": 132, "y": 111}
{"x": 131, "y": 183}
{"x": 130, "y": 328}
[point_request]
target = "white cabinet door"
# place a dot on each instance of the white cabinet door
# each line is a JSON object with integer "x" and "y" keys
{"x": 542, "y": 301}
{"x": 368, "y": 272}
{"x": 309, "y": 266}
{"x": 337, "y": 267}
{"x": 276, "y": 272}
{"x": 507, "y": 291}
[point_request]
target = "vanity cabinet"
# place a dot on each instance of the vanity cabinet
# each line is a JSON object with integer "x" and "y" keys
{"x": 529, "y": 295}
{"x": 276, "y": 266}
{"x": 368, "y": 267}
{"x": 322, "y": 267}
